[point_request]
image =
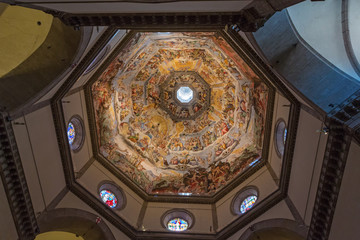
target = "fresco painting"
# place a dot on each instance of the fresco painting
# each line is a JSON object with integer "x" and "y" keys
{"x": 167, "y": 155}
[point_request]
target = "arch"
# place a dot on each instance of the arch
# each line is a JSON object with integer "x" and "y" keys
{"x": 275, "y": 224}
{"x": 75, "y": 221}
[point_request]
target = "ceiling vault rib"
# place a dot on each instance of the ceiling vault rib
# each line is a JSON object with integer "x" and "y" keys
{"x": 294, "y": 211}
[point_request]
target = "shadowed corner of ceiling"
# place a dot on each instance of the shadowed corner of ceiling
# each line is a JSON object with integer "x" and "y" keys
{"x": 35, "y": 49}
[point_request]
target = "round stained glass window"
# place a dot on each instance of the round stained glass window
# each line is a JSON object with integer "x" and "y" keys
{"x": 248, "y": 203}
{"x": 75, "y": 133}
{"x": 184, "y": 94}
{"x": 177, "y": 225}
{"x": 244, "y": 200}
{"x": 71, "y": 133}
{"x": 108, "y": 198}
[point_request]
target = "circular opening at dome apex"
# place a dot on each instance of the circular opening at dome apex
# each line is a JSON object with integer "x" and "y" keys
{"x": 184, "y": 94}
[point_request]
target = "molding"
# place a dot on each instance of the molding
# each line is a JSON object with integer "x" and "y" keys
{"x": 14, "y": 182}
{"x": 294, "y": 211}
{"x": 88, "y": 164}
{"x": 348, "y": 112}
{"x": 248, "y": 19}
{"x": 331, "y": 174}
{"x": 140, "y": 219}
{"x": 273, "y": 174}
{"x": 214, "y": 218}
{"x": 52, "y": 205}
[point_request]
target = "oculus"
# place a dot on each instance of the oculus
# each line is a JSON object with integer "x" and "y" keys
{"x": 248, "y": 203}
{"x": 177, "y": 225}
{"x": 112, "y": 195}
{"x": 244, "y": 200}
{"x": 177, "y": 220}
{"x": 75, "y": 133}
{"x": 169, "y": 140}
{"x": 185, "y": 94}
{"x": 108, "y": 198}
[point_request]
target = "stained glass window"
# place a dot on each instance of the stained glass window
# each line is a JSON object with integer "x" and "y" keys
{"x": 285, "y": 133}
{"x": 71, "y": 133}
{"x": 248, "y": 203}
{"x": 108, "y": 198}
{"x": 177, "y": 225}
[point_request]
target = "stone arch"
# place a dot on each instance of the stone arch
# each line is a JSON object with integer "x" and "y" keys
{"x": 75, "y": 221}
{"x": 277, "y": 224}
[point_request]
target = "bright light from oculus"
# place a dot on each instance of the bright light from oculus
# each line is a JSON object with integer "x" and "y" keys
{"x": 108, "y": 198}
{"x": 248, "y": 203}
{"x": 184, "y": 94}
{"x": 177, "y": 225}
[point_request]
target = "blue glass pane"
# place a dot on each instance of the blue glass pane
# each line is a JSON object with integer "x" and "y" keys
{"x": 71, "y": 133}
{"x": 108, "y": 198}
{"x": 285, "y": 133}
{"x": 177, "y": 225}
{"x": 248, "y": 203}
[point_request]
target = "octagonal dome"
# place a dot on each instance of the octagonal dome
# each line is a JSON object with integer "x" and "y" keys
{"x": 170, "y": 147}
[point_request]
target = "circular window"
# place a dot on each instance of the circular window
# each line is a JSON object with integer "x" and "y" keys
{"x": 177, "y": 225}
{"x": 185, "y": 94}
{"x": 280, "y": 137}
{"x": 108, "y": 198}
{"x": 177, "y": 220}
{"x": 112, "y": 195}
{"x": 244, "y": 200}
{"x": 75, "y": 133}
{"x": 248, "y": 203}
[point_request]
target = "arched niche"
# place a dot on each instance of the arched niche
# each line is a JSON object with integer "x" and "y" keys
{"x": 74, "y": 221}
{"x": 280, "y": 229}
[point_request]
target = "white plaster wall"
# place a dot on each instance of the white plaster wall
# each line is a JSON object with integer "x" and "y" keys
{"x": 7, "y": 225}
{"x": 319, "y": 24}
{"x": 308, "y": 153}
{"x": 29, "y": 166}
{"x": 281, "y": 111}
{"x": 346, "y": 219}
{"x": 39, "y": 152}
{"x": 77, "y": 106}
{"x": 96, "y": 174}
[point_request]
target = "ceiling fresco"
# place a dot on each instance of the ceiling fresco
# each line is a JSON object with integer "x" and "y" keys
{"x": 180, "y": 113}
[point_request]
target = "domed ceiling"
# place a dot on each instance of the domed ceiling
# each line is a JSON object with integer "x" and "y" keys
{"x": 180, "y": 113}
